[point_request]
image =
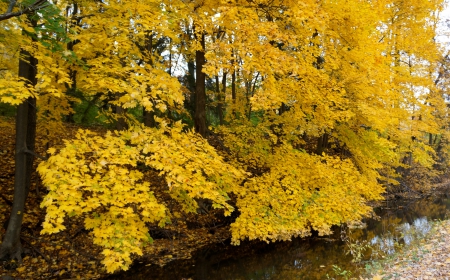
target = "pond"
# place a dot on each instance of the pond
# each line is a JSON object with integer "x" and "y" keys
{"x": 399, "y": 224}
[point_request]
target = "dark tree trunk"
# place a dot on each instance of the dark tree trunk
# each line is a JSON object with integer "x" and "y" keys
{"x": 190, "y": 84}
{"x": 218, "y": 96}
{"x": 149, "y": 117}
{"x": 11, "y": 248}
{"x": 200, "y": 90}
{"x": 222, "y": 97}
{"x": 190, "y": 78}
{"x": 233, "y": 88}
{"x": 31, "y": 140}
{"x": 72, "y": 88}
{"x": 283, "y": 109}
{"x": 121, "y": 124}
{"x": 322, "y": 144}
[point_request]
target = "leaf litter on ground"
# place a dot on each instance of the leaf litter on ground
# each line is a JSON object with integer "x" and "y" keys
{"x": 428, "y": 259}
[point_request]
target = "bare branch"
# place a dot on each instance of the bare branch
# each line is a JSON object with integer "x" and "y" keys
{"x": 36, "y": 155}
{"x": 36, "y": 6}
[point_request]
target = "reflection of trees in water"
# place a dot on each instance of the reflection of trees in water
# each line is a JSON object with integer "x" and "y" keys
{"x": 433, "y": 208}
{"x": 299, "y": 259}
{"x": 302, "y": 259}
{"x": 402, "y": 223}
{"x": 405, "y": 233}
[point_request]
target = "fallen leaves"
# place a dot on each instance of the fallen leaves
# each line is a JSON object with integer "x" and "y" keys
{"x": 430, "y": 259}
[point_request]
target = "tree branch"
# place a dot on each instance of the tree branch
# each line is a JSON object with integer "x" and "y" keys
{"x": 36, "y": 250}
{"x": 36, "y": 6}
{"x": 36, "y": 155}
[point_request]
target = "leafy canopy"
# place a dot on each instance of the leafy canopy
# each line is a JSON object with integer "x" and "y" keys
{"x": 323, "y": 101}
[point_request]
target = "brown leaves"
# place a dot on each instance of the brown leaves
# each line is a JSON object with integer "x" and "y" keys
{"x": 429, "y": 260}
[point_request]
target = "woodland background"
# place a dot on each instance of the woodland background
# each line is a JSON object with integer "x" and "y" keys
{"x": 278, "y": 118}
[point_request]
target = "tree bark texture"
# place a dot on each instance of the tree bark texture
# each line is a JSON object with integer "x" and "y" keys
{"x": 322, "y": 144}
{"x": 149, "y": 117}
{"x": 11, "y": 248}
{"x": 200, "y": 90}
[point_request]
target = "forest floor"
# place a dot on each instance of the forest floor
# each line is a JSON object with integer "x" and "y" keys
{"x": 70, "y": 254}
{"x": 428, "y": 259}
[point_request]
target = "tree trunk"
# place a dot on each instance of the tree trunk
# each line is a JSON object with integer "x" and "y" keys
{"x": 121, "y": 124}
{"x": 31, "y": 140}
{"x": 222, "y": 98}
{"x": 72, "y": 88}
{"x": 149, "y": 117}
{"x": 11, "y": 248}
{"x": 190, "y": 84}
{"x": 218, "y": 93}
{"x": 322, "y": 144}
{"x": 200, "y": 90}
{"x": 233, "y": 88}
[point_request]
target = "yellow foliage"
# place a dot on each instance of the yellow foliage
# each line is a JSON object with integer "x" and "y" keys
{"x": 97, "y": 178}
{"x": 300, "y": 193}
{"x": 358, "y": 72}
{"x": 14, "y": 90}
{"x": 192, "y": 167}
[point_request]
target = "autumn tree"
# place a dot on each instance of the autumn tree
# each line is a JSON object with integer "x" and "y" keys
{"x": 191, "y": 168}
{"x": 30, "y": 45}
{"x": 328, "y": 71}
{"x": 320, "y": 103}
{"x": 25, "y": 139}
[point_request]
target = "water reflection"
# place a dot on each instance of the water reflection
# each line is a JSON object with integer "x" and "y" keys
{"x": 404, "y": 234}
{"x": 313, "y": 258}
{"x": 384, "y": 244}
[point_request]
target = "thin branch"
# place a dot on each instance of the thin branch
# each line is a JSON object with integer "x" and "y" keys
{"x": 36, "y": 250}
{"x": 82, "y": 17}
{"x": 404, "y": 185}
{"x": 36, "y": 6}
{"x": 36, "y": 155}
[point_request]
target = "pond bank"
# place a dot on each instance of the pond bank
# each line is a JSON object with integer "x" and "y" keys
{"x": 428, "y": 259}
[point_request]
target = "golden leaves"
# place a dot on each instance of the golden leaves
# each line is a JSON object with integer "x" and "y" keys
{"x": 301, "y": 192}
{"x": 97, "y": 177}
{"x": 14, "y": 90}
{"x": 190, "y": 166}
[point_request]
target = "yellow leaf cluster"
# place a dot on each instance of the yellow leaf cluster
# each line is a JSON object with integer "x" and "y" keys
{"x": 14, "y": 90}
{"x": 300, "y": 193}
{"x": 97, "y": 178}
{"x": 191, "y": 167}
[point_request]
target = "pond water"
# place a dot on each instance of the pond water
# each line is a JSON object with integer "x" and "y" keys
{"x": 399, "y": 224}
